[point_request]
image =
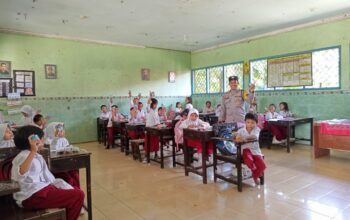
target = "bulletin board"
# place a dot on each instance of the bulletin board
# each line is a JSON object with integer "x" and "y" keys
{"x": 293, "y": 70}
{"x": 24, "y": 82}
{"x": 5, "y": 86}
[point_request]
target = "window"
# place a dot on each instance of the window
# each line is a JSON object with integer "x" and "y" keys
{"x": 200, "y": 81}
{"x": 325, "y": 71}
{"x": 215, "y": 79}
{"x": 233, "y": 70}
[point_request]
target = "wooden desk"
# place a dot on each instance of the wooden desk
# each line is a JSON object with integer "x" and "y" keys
{"x": 121, "y": 126}
{"x": 290, "y": 123}
{"x": 132, "y": 127}
{"x": 74, "y": 161}
{"x": 324, "y": 142}
{"x": 8, "y": 187}
{"x": 206, "y": 116}
{"x": 161, "y": 133}
{"x": 204, "y": 137}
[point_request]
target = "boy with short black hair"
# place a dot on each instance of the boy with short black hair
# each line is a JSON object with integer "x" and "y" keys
{"x": 251, "y": 153}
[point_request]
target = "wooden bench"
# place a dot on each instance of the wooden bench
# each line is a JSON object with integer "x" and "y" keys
{"x": 10, "y": 211}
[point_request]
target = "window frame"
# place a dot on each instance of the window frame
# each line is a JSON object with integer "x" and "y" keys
{"x": 207, "y": 78}
{"x": 297, "y": 53}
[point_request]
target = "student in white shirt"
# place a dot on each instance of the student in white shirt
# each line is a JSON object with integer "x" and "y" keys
{"x": 178, "y": 108}
{"x": 188, "y": 101}
{"x": 208, "y": 108}
{"x": 55, "y": 137}
{"x": 105, "y": 114}
{"x": 284, "y": 110}
{"x": 39, "y": 121}
{"x": 218, "y": 110}
{"x": 28, "y": 113}
{"x": 194, "y": 122}
{"x": 115, "y": 117}
{"x": 39, "y": 189}
{"x": 251, "y": 152}
{"x": 6, "y": 136}
{"x": 151, "y": 121}
{"x": 279, "y": 133}
{"x": 141, "y": 113}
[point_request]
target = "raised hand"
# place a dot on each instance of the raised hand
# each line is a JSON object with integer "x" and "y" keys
{"x": 252, "y": 88}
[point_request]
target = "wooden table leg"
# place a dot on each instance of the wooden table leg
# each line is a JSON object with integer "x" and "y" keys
{"x": 204, "y": 161}
{"x": 161, "y": 151}
{"x": 186, "y": 156}
{"x": 148, "y": 147}
{"x": 88, "y": 189}
{"x": 174, "y": 152}
{"x": 288, "y": 138}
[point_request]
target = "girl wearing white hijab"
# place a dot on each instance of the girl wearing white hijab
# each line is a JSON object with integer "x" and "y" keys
{"x": 6, "y": 136}
{"x": 194, "y": 122}
{"x": 55, "y": 137}
{"x": 28, "y": 114}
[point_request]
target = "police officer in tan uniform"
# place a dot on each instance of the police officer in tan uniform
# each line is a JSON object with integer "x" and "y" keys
{"x": 233, "y": 102}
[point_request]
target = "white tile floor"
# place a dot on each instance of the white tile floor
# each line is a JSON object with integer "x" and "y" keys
{"x": 296, "y": 187}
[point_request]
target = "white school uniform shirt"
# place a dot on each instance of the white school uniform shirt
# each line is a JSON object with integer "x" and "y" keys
{"x": 135, "y": 120}
{"x": 36, "y": 178}
{"x": 152, "y": 118}
{"x": 285, "y": 114}
{"x": 7, "y": 143}
{"x": 178, "y": 110}
{"x": 141, "y": 113}
{"x": 105, "y": 115}
{"x": 254, "y": 146}
{"x": 273, "y": 115}
{"x": 218, "y": 111}
{"x": 189, "y": 106}
{"x": 59, "y": 143}
{"x": 208, "y": 110}
{"x": 118, "y": 117}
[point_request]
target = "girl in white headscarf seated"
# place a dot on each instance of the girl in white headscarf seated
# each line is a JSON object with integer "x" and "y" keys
{"x": 194, "y": 122}
{"x": 28, "y": 114}
{"x": 6, "y": 136}
{"x": 55, "y": 136}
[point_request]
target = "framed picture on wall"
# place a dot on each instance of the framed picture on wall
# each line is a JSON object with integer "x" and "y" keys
{"x": 5, "y": 86}
{"x": 171, "y": 76}
{"x": 50, "y": 71}
{"x": 5, "y": 69}
{"x": 145, "y": 74}
{"x": 24, "y": 82}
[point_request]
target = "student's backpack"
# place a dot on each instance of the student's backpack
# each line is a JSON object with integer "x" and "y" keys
{"x": 224, "y": 130}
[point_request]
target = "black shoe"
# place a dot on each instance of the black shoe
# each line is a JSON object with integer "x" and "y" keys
{"x": 107, "y": 147}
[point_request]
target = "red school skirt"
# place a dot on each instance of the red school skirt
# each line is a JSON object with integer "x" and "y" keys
{"x": 197, "y": 144}
{"x": 136, "y": 134}
{"x": 154, "y": 143}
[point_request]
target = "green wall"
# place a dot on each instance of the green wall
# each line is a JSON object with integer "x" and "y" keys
{"x": 318, "y": 104}
{"x": 88, "y": 74}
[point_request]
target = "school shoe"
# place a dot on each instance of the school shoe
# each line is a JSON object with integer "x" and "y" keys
{"x": 82, "y": 211}
{"x": 275, "y": 141}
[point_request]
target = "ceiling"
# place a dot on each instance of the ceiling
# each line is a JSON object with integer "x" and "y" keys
{"x": 187, "y": 25}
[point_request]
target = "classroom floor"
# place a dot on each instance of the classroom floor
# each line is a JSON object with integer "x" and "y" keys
{"x": 296, "y": 187}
